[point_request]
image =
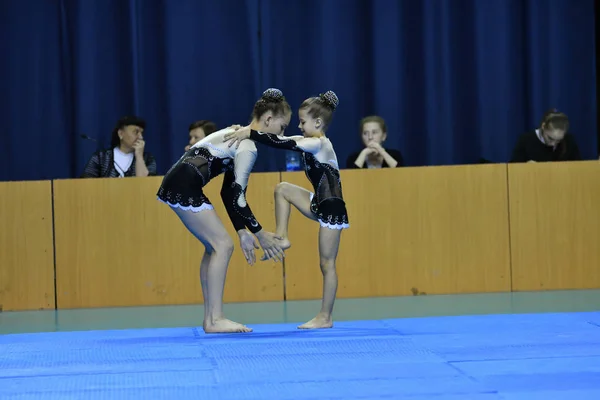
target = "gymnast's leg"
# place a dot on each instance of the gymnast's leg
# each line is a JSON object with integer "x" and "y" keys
{"x": 204, "y": 277}
{"x": 285, "y": 195}
{"x": 208, "y": 228}
{"x": 329, "y": 243}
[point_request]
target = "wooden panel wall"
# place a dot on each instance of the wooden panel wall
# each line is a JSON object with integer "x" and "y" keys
{"x": 555, "y": 229}
{"x": 26, "y": 248}
{"x": 117, "y": 245}
{"x": 412, "y": 231}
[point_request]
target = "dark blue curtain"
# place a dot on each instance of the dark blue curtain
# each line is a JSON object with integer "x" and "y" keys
{"x": 455, "y": 80}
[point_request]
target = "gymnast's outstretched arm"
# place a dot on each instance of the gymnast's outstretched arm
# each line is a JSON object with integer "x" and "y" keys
{"x": 294, "y": 143}
{"x": 233, "y": 193}
{"x": 239, "y": 212}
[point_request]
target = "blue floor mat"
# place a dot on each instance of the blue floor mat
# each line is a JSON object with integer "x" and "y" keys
{"x": 511, "y": 357}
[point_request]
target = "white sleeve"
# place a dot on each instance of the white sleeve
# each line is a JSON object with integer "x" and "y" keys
{"x": 309, "y": 145}
{"x": 244, "y": 159}
{"x": 235, "y": 183}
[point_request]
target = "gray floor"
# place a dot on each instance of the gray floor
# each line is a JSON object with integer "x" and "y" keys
{"x": 301, "y": 311}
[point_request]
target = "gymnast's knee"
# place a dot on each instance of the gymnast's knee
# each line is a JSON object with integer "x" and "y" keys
{"x": 208, "y": 249}
{"x": 282, "y": 189}
{"x": 327, "y": 265}
{"x": 223, "y": 246}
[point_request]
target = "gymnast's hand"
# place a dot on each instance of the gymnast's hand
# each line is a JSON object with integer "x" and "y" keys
{"x": 237, "y": 136}
{"x": 271, "y": 247}
{"x": 248, "y": 244}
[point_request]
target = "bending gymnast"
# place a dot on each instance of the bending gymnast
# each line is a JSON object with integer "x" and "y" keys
{"x": 326, "y": 205}
{"x": 182, "y": 190}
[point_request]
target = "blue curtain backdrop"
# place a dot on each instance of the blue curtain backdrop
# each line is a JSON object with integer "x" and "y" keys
{"x": 455, "y": 80}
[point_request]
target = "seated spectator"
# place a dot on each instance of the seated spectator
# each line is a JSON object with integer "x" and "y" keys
{"x": 373, "y": 132}
{"x": 199, "y": 130}
{"x": 550, "y": 142}
{"x": 126, "y": 156}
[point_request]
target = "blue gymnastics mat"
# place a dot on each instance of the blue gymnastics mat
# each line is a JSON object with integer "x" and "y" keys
{"x": 525, "y": 356}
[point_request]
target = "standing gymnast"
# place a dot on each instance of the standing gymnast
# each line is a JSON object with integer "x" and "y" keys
{"x": 182, "y": 190}
{"x": 326, "y": 205}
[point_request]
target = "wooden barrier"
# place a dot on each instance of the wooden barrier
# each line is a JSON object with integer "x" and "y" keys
{"x": 414, "y": 231}
{"x": 427, "y": 230}
{"x": 117, "y": 245}
{"x": 555, "y": 233}
{"x": 26, "y": 248}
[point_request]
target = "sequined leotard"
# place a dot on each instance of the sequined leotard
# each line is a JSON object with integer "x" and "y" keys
{"x": 211, "y": 156}
{"x": 321, "y": 168}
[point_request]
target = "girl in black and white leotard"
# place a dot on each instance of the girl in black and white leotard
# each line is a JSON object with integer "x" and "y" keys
{"x": 208, "y": 158}
{"x": 326, "y": 204}
{"x": 182, "y": 190}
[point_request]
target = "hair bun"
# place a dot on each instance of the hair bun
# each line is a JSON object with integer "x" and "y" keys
{"x": 272, "y": 95}
{"x": 330, "y": 99}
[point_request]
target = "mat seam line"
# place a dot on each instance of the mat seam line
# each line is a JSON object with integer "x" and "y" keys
{"x": 516, "y": 359}
{"x": 464, "y": 373}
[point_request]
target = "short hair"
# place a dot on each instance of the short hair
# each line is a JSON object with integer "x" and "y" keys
{"x": 271, "y": 100}
{"x": 207, "y": 126}
{"x": 373, "y": 118}
{"x": 121, "y": 123}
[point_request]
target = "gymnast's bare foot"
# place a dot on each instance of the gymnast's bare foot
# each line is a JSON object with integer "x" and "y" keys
{"x": 224, "y": 326}
{"x": 319, "y": 322}
{"x": 283, "y": 243}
